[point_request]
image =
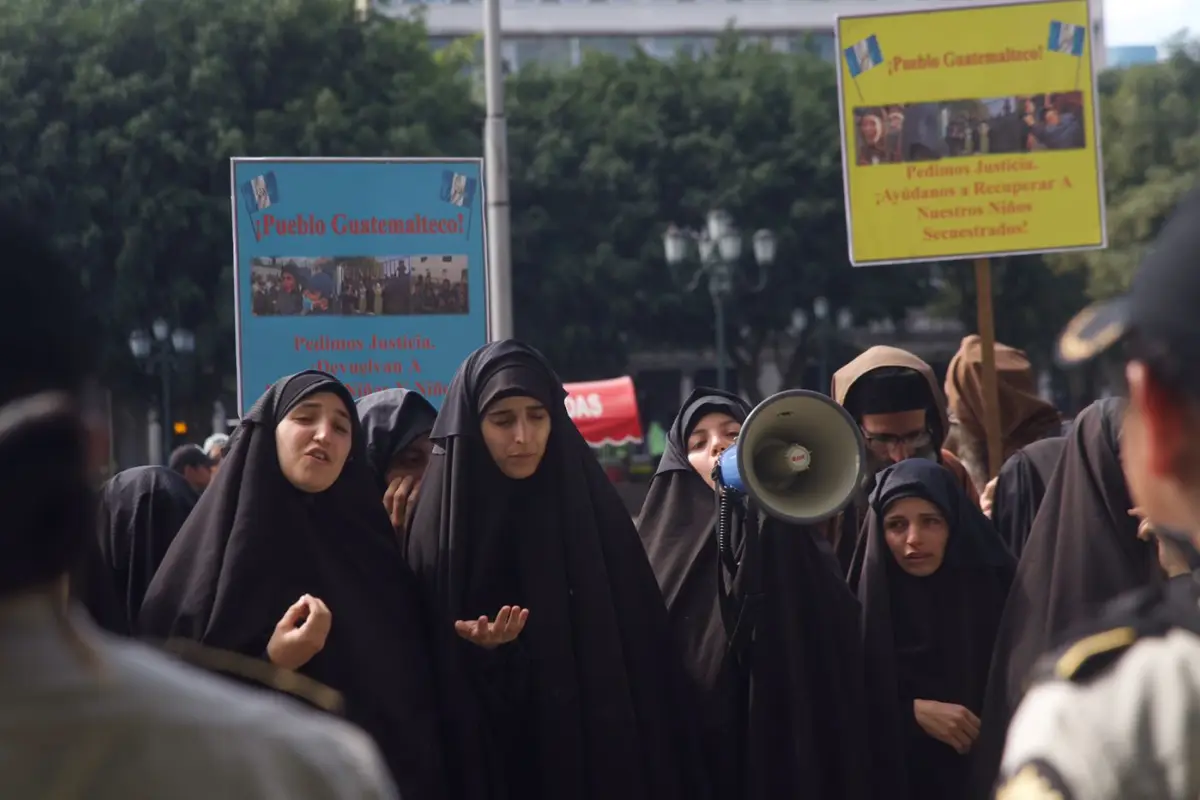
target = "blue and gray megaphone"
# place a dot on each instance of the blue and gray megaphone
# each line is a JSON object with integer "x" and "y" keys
{"x": 800, "y": 456}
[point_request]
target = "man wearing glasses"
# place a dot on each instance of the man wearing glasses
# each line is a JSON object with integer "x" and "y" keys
{"x": 899, "y": 406}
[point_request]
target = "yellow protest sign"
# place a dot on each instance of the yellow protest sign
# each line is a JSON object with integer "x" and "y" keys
{"x": 970, "y": 132}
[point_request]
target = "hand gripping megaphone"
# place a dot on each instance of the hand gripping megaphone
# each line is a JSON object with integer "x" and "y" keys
{"x": 800, "y": 456}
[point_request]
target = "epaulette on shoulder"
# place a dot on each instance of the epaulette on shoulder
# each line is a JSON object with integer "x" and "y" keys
{"x": 1083, "y": 659}
{"x": 258, "y": 673}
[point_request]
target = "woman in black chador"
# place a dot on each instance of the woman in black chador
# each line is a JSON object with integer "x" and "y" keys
{"x": 397, "y": 423}
{"x": 141, "y": 510}
{"x": 1083, "y": 550}
{"x": 544, "y": 606}
{"x": 769, "y": 633}
{"x": 289, "y": 556}
{"x": 933, "y": 582}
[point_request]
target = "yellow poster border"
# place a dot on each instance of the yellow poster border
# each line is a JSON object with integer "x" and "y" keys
{"x": 839, "y": 53}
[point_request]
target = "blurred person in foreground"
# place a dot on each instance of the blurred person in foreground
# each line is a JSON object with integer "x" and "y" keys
{"x": 1115, "y": 712}
{"x": 84, "y": 714}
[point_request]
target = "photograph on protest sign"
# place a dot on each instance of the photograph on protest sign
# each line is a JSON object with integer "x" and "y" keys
{"x": 912, "y": 132}
{"x": 373, "y": 270}
{"x": 378, "y": 286}
{"x": 969, "y": 132}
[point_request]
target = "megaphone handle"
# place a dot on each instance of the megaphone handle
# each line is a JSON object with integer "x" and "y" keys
{"x": 747, "y": 593}
{"x": 724, "y": 529}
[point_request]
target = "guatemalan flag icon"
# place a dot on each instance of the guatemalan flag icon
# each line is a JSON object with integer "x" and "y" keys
{"x": 1066, "y": 38}
{"x": 261, "y": 192}
{"x": 862, "y": 56}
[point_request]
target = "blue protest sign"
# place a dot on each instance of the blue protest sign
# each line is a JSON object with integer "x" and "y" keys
{"x": 370, "y": 269}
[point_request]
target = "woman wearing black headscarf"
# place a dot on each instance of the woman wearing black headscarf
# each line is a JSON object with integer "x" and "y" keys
{"x": 1082, "y": 551}
{"x": 1019, "y": 490}
{"x": 783, "y": 703}
{"x": 397, "y": 423}
{"x": 141, "y": 510}
{"x": 574, "y": 697}
{"x": 933, "y": 584}
{"x": 295, "y": 513}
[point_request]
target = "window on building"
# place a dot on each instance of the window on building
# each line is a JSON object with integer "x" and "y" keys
{"x": 818, "y": 43}
{"x": 619, "y": 46}
{"x": 546, "y": 51}
{"x": 668, "y": 47}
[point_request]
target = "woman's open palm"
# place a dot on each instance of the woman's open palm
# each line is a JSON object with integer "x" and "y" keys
{"x": 510, "y": 621}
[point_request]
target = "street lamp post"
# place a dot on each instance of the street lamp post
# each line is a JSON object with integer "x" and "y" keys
{"x": 825, "y": 324}
{"x": 719, "y": 247}
{"x": 159, "y": 351}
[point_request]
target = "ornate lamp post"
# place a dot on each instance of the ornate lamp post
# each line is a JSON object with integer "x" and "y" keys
{"x": 719, "y": 250}
{"x": 161, "y": 351}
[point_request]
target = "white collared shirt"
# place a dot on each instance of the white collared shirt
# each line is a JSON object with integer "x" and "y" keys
{"x": 133, "y": 724}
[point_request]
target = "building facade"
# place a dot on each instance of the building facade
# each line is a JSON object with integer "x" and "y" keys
{"x": 559, "y": 32}
{"x": 1129, "y": 55}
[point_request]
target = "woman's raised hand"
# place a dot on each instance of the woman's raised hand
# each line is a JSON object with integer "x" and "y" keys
{"x": 490, "y": 635}
{"x": 300, "y": 634}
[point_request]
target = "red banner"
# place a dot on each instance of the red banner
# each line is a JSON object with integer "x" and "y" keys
{"x": 605, "y": 411}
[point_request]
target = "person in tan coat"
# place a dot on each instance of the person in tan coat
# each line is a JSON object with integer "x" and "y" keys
{"x": 896, "y": 400}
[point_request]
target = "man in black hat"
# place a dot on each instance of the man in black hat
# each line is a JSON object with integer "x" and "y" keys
{"x": 83, "y": 713}
{"x": 1115, "y": 713}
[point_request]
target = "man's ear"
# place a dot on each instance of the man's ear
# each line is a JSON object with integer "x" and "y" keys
{"x": 1162, "y": 415}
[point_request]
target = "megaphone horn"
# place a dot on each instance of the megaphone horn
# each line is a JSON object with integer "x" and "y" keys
{"x": 800, "y": 456}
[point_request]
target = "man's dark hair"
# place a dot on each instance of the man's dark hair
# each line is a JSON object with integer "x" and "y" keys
{"x": 1165, "y": 365}
{"x": 188, "y": 455}
{"x": 44, "y": 481}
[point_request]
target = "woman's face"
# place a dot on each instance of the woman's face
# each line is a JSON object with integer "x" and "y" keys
{"x": 313, "y": 441}
{"x": 516, "y": 430}
{"x": 713, "y": 435}
{"x": 411, "y": 461}
{"x": 917, "y": 533}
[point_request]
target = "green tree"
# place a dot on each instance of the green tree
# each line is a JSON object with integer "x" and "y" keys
{"x": 1032, "y": 302}
{"x": 120, "y": 118}
{"x": 603, "y": 156}
{"x": 1150, "y": 123}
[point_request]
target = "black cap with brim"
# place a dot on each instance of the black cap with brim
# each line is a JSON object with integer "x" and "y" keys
{"x": 1163, "y": 302}
{"x": 1093, "y": 331}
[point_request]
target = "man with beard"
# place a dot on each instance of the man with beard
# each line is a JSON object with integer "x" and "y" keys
{"x": 895, "y": 398}
{"x": 1024, "y": 416}
{"x": 1115, "y": 713}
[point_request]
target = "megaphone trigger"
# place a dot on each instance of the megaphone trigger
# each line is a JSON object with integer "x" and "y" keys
{"x": 773, "y": 459}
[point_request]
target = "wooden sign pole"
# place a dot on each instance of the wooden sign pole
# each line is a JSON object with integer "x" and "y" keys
{"x": 986, "y": 320}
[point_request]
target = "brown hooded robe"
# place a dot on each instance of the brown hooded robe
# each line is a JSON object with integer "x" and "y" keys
{"x": 842, "y": 531}
{"x": 1024, "y": 416}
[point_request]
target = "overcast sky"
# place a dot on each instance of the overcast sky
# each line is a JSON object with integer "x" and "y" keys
{"x": 1148, "y": 21}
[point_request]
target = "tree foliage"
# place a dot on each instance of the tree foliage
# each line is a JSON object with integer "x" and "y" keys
{"x": 604, "y": 156}
{"x": 1150, "y": 127}
{"x": 120, "y": 118}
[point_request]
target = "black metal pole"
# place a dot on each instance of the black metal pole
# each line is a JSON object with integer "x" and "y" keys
{"x": 719, "y": 319}
{"x": 164, "y": 366}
